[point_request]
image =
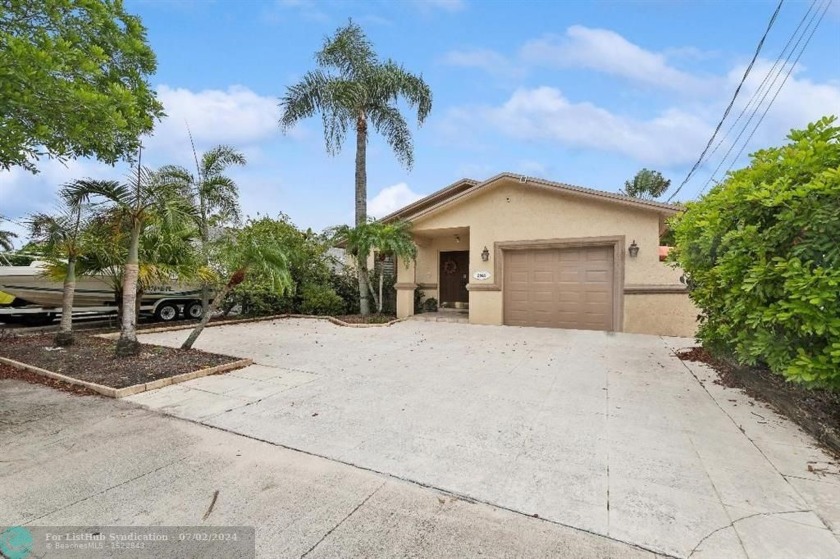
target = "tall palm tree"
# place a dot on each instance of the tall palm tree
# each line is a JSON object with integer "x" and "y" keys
{"x": 58, "y": 234}
{"x": 354, "y": 89}
{"x": 240, "y": 254}
{"x": 385, "y": 239}
{"x": 214, "y": 195}
{"x": 143, "y": 196}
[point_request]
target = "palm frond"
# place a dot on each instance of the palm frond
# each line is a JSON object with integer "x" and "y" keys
{"x": 388, "y": 121}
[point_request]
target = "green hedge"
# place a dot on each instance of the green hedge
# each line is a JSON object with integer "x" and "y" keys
{"x": 761, "y": 252}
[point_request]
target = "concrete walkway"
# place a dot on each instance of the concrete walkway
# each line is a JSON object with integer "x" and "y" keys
{"x": 90, "y": 461}
{"x": 607, "y": 433}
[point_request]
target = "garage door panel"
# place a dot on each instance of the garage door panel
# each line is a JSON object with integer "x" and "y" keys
{"x": 560, "y": 288}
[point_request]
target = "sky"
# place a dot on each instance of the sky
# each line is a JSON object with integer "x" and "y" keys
{"x": 585, "y": 93}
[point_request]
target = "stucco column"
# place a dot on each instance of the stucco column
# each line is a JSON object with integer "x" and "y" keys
{"x": 405, "y": 286}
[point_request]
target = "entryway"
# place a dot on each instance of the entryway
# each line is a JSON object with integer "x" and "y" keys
{"x": 454, "y": 276}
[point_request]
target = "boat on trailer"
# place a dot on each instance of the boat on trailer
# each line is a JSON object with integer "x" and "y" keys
{"x": 38, "y": 299}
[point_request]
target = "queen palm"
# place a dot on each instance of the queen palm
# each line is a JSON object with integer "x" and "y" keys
{"x": 6, "y": 240}
{"x": 214, "y": 195}
{"x": 354, "y": 89}
{"x": 58, "y": 234}
{"x": 144, "y": 196}
{"x": 387, "y": 240}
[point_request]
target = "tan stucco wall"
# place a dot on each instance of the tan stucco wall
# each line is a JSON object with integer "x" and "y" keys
{"x": 513, "y": 211}
{"x": 666, "y": 314}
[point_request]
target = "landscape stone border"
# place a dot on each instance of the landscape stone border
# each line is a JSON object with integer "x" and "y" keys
{"x": 133, "y": 389}
{"x": 332, "y": 319}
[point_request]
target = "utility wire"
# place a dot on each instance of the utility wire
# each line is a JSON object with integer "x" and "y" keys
{"x": 790, "y": 71}
{"x": 767, "y": 91}
{"x": 763, "y": 82}
{"x": 731, "y": 102}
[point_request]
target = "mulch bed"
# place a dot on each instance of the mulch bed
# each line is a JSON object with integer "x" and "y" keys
{"x": 92, "y": 359}
{"x": 815, "y": 410}
{"x": 369, "y": 319}
{"x": 8, "y": 372}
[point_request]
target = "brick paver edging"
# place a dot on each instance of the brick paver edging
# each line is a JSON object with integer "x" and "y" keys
{"x": 136, "y": 388}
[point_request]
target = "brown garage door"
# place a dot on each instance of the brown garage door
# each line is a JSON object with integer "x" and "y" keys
{"x": 560, "y": 288}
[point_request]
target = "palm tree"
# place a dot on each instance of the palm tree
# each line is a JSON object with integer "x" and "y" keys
{"x": 241, "y": 254}
{"x": 214, "y": 195}
{"x": 144, "y": 196}
{"x": 58, "y": 235}
{"x": 6, "y": 238}
{"x": 353, "y": 88}
{"x": 386, "y": 239}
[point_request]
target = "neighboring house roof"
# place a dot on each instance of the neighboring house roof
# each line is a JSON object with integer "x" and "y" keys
{"x": 468, "y": 187}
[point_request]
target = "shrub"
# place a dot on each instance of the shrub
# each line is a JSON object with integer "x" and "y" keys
{"x": 321, "y": 299}
{"x": 255, "y": 299}
{"x": 762, "y": 255}
{"x": 430, "y": 305}
{"x": 346, "y": 285}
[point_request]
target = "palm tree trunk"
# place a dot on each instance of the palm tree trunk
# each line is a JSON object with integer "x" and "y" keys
{"x": 238, "y": 277}
{"x": 127, "y": 344}
{"x": 361, "y": 206}
{"x": 381, "y": 282}
{"x": 64, "y": 337}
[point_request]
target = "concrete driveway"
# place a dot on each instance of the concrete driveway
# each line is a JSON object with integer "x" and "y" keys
{"x": 606, "y": 433}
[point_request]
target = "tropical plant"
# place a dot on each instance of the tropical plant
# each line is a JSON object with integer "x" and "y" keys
{"x": 387, "y": 240}
{"x": 6, "y": 240}
{"x": 214, "y": 195}
{"x": 144, "y": 197}
{"x": 762, "y": 258}
{"x": 241, "y": 253}
{"x": 73, "y": 81}
{"x": 59, "y": 236}
{"x": 354, "y": 89}
{"x": 646, "y": 184}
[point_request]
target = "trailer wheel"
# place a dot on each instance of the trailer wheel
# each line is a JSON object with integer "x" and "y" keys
{"x": 194, "y": 310}
{"x": 166, "y": 312}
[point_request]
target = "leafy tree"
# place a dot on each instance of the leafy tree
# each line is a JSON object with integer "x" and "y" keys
{"x": 73, "y": 81}
{"x": 244, "y": 252}
{"x": 762, "y": 256}
{"x": 354, "y": 89}
{"x": 388, "y": 240}
{"x": 59, "y": 236}
{"x": 214, "y": 195}
{"x": 647, "y": 185}
{"x": 144, "y": 197}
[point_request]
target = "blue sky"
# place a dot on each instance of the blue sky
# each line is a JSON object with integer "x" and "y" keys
{"x": 579, "y": 92}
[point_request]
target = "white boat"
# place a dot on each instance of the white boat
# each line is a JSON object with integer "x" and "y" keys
{"x": 32, "y": 288}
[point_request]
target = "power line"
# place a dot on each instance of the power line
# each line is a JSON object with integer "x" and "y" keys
{"x": 790, "y": 71}
{"x": 767, "y": 91}
{"x": 732, "y": 101}
{"x": 763, "y": 82}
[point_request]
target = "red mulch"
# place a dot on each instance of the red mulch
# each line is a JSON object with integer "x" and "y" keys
{"x": 92, "y": 359}
{"x": 8, "y": 372}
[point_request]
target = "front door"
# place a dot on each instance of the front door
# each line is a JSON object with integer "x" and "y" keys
{"x": 454, "y": 276}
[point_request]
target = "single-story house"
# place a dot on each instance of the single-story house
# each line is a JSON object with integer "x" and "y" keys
{"x": 523, "y": 251}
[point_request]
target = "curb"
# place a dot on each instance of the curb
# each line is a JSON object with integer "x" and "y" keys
{"x": 332, "y": 319}
{"x": 135, "y": 388}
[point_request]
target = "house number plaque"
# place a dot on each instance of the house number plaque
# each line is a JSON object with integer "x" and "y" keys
{"x": 481, "y": 275}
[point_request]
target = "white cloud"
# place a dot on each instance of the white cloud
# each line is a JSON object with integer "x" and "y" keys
{"x": 607, "y": 51}
{"x": 544, "y": 113}
{"x": 487, "y": 60}
{"x": 391, "y": 198}
{"x": 236, "y": 116}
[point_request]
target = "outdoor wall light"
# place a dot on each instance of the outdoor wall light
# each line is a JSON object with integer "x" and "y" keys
{"x": 485, "y": 255}
{"x": 633, "y": 249}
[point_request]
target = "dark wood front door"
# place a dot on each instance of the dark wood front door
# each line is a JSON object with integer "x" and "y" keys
{"x": 454, "y": 276}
